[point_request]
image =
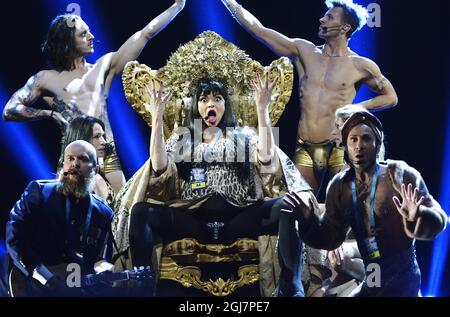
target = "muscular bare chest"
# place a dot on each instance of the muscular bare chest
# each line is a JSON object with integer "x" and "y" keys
{"x": 326, "y": 84}
{"x": 337, "y": 74}
{"x": 84, "y": 90}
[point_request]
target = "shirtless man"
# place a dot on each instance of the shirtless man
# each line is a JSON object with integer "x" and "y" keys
{"x": 387, "y": 205}
{"x": 329, "y": 78}
{"x": 73, "y": 86}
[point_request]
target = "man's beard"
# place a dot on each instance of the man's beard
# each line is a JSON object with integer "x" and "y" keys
{"x": 79, "y": 187}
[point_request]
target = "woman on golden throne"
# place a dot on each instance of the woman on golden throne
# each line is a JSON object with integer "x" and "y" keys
{"x": 213, "y": 184}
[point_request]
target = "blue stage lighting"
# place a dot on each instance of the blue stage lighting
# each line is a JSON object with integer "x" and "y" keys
{"x": 33, "y": 163}
{"x": 3, "y": 250}
{"x": 130, "y": 142}
{"x": 211, "y": 16}
{"x": 441, "y": 244}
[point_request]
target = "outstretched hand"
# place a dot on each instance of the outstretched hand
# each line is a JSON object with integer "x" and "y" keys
{"x": 263, "y": 90}
{"x": 298, "y": 207}
{"x": 158, "y": 100}
{"x": 409, "y": 208}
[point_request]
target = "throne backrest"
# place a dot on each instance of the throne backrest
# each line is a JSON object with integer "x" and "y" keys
{"x": 208, "y": 56}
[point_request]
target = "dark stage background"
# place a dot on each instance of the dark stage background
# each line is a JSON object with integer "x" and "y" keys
{"x": 411, "y": 47}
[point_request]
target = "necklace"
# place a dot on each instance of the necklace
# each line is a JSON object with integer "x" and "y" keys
{"x": 363, "y": 185}
{"x": 329, "y": 55}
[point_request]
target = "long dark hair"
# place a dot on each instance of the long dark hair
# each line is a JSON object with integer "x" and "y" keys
{"x": 81, "y": 128}
{"x": 205, "y": 88}
{"x": 228, "y": 121}
{"x": 59, "y": 46}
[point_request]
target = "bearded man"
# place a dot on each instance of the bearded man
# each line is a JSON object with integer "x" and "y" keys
{"x": 60, "y": 221}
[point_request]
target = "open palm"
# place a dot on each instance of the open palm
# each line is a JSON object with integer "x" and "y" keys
{"x": 158, "y": 100}
{"x": 409, "y": 208}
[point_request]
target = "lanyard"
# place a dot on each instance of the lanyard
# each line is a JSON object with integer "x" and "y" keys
{"x": 359, "y": 223}
{"x": 211, "y": 145}
{"x": 87, "y": 222}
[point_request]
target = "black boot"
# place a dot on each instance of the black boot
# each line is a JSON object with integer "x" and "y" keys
{"x": 290, "y": 257}
{"x": 289, "y": 286}
{"x": 142, "y": 279}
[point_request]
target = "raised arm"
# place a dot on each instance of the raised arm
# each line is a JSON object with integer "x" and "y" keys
{"x": 133, "y": 47}
{"x": 277, "y": 42}
{"x": 158, "y": 102}
{"x": 266, "y": 142}
{"x": 374, "y": 79}
{"x": 20, "y": 106}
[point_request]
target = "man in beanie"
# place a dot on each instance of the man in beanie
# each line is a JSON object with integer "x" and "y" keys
{"x": 387, "y": 205}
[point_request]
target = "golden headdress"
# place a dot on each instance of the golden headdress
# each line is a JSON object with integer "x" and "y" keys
{"x": 208, "y": 56}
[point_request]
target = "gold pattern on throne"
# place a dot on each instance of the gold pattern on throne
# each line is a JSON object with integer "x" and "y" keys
{"x": 191, "y": 251}
{"x": 211, "y": 57}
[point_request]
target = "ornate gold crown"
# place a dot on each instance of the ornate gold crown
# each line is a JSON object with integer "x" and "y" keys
{"x": 208, "y": 56}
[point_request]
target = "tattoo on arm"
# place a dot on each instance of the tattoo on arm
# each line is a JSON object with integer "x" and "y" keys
{"x": 25, "y": 113}
{"x": 20, "y": 105}
{"x": 24, "y": 95}
{"x": 30, "y": 91}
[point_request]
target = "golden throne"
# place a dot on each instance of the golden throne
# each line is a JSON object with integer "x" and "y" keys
{"x": 183, "y": 262}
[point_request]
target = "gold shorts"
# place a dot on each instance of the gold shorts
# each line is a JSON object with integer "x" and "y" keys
{"x": 111, "y": 163}
{"x": 319, "y": 156}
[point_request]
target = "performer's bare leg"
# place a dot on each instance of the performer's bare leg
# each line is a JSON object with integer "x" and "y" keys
{"x": 310, "y": 176}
